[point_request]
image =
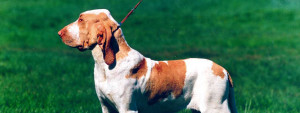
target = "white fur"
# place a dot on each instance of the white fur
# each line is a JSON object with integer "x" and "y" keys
{"x": 98, "y": 11}
{"x": 209, "y": 89}
{"x": 73, "y": 29}
{"x": 202, "y": 90}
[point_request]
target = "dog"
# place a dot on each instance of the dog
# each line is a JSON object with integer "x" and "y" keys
{"x": 128, "y": 82}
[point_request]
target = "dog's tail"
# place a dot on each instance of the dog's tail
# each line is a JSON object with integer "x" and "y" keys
{"x": 231, "y": 100}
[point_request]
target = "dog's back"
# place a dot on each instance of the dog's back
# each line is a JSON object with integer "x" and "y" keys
{"x": 206, "y": 87}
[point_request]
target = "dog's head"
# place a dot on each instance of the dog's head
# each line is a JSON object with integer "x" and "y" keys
{"x": 91, "y": 28}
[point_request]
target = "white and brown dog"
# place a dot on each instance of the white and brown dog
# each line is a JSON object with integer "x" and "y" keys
{"x": 126, "y": 81}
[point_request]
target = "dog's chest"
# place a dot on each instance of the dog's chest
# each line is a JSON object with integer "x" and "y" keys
{"x": 111, "y": 85}
{"x": 103, "y": 85}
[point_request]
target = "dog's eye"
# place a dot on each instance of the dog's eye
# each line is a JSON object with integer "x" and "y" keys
{"x": 80, "y": 20}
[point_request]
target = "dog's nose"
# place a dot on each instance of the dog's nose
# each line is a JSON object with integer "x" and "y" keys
{"x": 60, "y": 33}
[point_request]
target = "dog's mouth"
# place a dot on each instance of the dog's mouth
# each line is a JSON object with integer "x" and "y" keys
{"x": 79, "y": 47}
{"x": 82, "y": 48}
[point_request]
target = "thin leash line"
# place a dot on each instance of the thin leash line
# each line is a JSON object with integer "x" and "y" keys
{"x": 130, "y": 12}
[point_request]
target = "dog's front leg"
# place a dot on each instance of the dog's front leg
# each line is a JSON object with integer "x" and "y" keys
{"x": 104, "y": 108}
{"x": 126, "y": 110}
{"x": 107, "y": 107}
{"x": 128, "y": 105}
{"x": 127, "y": 100}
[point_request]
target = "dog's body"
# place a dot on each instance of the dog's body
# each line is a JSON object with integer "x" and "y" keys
{"x": 126, "y": 81}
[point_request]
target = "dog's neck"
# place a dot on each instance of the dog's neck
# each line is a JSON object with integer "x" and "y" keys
{"x": 121, "y": 47}
{"x": 126, "y": 59}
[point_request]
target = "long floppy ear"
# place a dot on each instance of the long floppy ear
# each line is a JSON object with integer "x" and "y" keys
{"x": 104, "y": 40}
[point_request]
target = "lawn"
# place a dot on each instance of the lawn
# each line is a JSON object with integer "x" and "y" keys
{"x": 257, "y": 41}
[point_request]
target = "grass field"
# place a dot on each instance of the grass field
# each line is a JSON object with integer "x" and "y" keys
{"x": 258, "y": 41}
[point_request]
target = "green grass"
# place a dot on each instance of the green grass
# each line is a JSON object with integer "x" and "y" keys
{"x": 258, "y": 41}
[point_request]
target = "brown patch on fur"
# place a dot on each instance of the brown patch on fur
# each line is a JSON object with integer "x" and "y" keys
{"x": 106, "y": 45}
{"x": 230, "y": 80}
{"x": 218, "y": 70}
{"x": 105, "y": 28}
{"x": 98, "y": 29}
{"x": 139, "y": 70}
{"x": 88, "y": 28}
{"x": 166, "y": 79}
{"x": 124, "y": 48}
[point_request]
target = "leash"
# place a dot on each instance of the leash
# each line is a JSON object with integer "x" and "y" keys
{"x": 130, "y": 12}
